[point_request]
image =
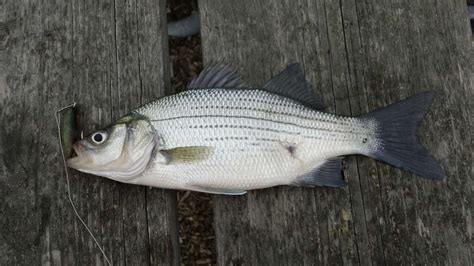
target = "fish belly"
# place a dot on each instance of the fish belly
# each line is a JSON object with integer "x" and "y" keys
{"x": 258, "y": 139}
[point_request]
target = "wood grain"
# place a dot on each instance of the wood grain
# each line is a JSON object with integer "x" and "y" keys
{"x": 109, "y": 57}
{"x": 361, "y": 55}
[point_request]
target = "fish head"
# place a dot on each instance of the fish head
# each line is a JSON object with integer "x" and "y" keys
{"x": 121, "y": 151}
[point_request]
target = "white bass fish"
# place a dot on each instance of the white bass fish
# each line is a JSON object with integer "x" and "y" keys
{"x": 220, "y": 136}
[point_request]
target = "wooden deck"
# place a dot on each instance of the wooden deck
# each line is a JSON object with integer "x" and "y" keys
{"x": 111, "y": 56}
{"x": 362, "y": 55}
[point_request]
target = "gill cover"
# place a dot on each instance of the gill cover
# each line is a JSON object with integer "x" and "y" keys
{"x": 122, "y": 152}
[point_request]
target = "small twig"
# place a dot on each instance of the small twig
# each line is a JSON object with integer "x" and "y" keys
{"x": 184, "y": 197}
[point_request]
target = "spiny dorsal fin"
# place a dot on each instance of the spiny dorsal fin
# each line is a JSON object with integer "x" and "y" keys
{"x": 291, "y": 83}
{"x": 328, "y": 174}
{"x": 217, "y": 76}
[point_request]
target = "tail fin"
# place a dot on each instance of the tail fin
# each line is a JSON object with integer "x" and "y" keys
{"x": 396, "y": 135}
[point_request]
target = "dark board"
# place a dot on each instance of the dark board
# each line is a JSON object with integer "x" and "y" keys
{"x": 361, "y": 55}
{"x": 109, "y": 57}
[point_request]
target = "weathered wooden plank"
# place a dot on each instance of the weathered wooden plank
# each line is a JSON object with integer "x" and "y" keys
{"x": 264, "y": 40}
{"x": 99, "y": 200}
{"x": 155, "y": 82}
{"x": 110, "y": 57}
{"x": 361, "y": 55}
{"x": 364, "y": 183}
{"x": 429, "y": 50}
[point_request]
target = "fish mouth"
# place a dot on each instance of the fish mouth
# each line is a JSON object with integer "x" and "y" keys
{"x": 73, "y": 154}
{"x": 76, "y": 159}
{"x": 76, "y": 150}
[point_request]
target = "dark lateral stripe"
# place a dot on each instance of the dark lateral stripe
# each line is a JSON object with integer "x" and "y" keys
{"x": 272, "y": 130}
{"x": 250, "y": 118}
{"x": 254, "y": 96}
{"x": 245, "y": 127}
{"x": 257, "y": 129}
{"x": 250, "y": 96}
{"x": 289, "y": 114}
{"x": 230, "y": 116}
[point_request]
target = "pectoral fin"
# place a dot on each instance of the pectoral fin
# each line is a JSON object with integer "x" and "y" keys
{"x": 191, "y": 154}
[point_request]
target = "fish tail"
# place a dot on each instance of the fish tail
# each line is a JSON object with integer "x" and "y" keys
{"x": 396, "y": 140}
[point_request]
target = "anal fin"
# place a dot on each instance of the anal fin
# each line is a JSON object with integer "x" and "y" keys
{"x": 328, "y": 174}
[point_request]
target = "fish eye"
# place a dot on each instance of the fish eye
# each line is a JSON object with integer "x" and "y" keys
{"x": 99, "y": 137}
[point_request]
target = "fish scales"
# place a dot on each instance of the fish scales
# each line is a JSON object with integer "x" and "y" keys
{"x": 201, "y": 107}
{"x": 249, "y": 129}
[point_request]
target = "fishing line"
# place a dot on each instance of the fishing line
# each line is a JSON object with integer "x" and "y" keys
{"x": 58, "y": 117}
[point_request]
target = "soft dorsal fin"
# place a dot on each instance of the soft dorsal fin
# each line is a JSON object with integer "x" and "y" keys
{"x": 217, "y": 76}
{"x": 291, "y": 83}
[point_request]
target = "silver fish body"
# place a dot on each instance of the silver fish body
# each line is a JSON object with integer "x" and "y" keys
{"x": 258, "y": 139}
{"x": 222, "y": 137}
